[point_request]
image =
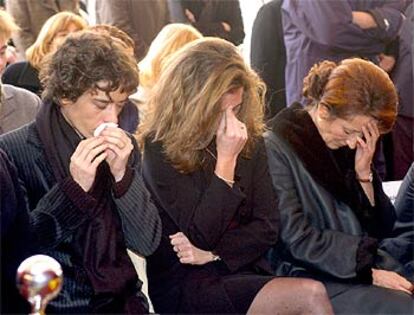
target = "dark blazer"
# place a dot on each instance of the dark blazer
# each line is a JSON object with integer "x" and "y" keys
{"x": 209, "y": 14}
{"x": 57, "y": 210}
{"x": 269, "y": 60}
{"x": 239, "y": 224}
{"x": 17, "y": 241}
{"x": 23, "y": 75}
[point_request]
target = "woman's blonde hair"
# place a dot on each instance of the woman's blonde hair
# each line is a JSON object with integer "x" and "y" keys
{"x": 171, "y": 38}
{"x": 185, "y": 108}
{"x": 7, "y": 25}
{"x": 55, "y": 24}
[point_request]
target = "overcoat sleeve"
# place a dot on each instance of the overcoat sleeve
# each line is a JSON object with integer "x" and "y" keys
{"x": 140, "y": 219}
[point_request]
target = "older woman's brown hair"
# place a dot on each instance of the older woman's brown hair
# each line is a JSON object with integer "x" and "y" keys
{"x": 185, "y": 108}
{"x": 353, "y": 87}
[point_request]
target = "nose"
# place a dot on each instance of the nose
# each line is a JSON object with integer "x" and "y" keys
{"x": 111, "y": 114}
{"x": 351, "y": 142}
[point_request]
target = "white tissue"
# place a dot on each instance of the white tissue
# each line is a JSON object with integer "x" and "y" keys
{"x": 102, "y": 126}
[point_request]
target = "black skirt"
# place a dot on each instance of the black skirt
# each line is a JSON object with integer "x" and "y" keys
{"x": 212, "y": 289}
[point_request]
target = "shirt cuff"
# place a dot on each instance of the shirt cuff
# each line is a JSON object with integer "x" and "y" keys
{"x": 121, "y": 187}
{"x": 78, "y": 196}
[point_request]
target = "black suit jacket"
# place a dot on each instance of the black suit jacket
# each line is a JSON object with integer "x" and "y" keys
{"x": 58, "y": 209}
{"x": 16, "y": 238}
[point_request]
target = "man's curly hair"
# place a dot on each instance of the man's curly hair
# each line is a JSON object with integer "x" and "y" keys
{"x": 84, "y": 60}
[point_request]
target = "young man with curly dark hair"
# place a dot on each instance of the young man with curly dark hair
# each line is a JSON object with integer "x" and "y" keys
{"x": 87, "y": 199}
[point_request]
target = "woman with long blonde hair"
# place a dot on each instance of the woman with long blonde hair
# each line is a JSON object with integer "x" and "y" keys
{"x": 205, "y": 164}
{"x": 52, "y": 34}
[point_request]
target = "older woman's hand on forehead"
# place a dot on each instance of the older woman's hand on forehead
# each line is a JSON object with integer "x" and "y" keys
{"x": 365, "y": 149}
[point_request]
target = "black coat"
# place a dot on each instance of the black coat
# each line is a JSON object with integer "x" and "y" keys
{"x": 17, "y": 241}
{"x": 323, "y": 207}
{"x": 329, "y": 230}
{"x": 239, "y": 224}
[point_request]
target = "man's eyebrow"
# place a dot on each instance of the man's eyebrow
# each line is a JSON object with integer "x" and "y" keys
{"x": 105, "y": 100}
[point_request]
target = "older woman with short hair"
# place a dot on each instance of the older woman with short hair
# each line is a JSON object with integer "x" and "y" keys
{"x": 334, "y": 212}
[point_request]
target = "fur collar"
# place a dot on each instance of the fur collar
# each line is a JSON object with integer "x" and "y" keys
{"x": 332, "y": 169}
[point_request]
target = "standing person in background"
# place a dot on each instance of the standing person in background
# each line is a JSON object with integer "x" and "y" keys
{"x": 17, "y": 106}
{"x": 317, "y": 30}
{"x": 30, "y": 15}
{"x": 25, "y": 74}
{"x": 216, "y": 18}
{"x": 87, "y": 199}
{"x": 142, "y": 19}
{"x": 268, "y": 55}
{"x": 402, "y": 135}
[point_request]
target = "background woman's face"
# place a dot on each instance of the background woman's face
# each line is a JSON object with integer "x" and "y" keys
{"x": 61, "y": 36}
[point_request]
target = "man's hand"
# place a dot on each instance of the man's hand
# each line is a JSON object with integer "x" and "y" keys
{"x": 86, "y": 159}
{"x": 119, "y": 148}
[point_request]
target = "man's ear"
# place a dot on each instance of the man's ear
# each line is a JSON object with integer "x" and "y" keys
{"x": 65, "y": 102}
